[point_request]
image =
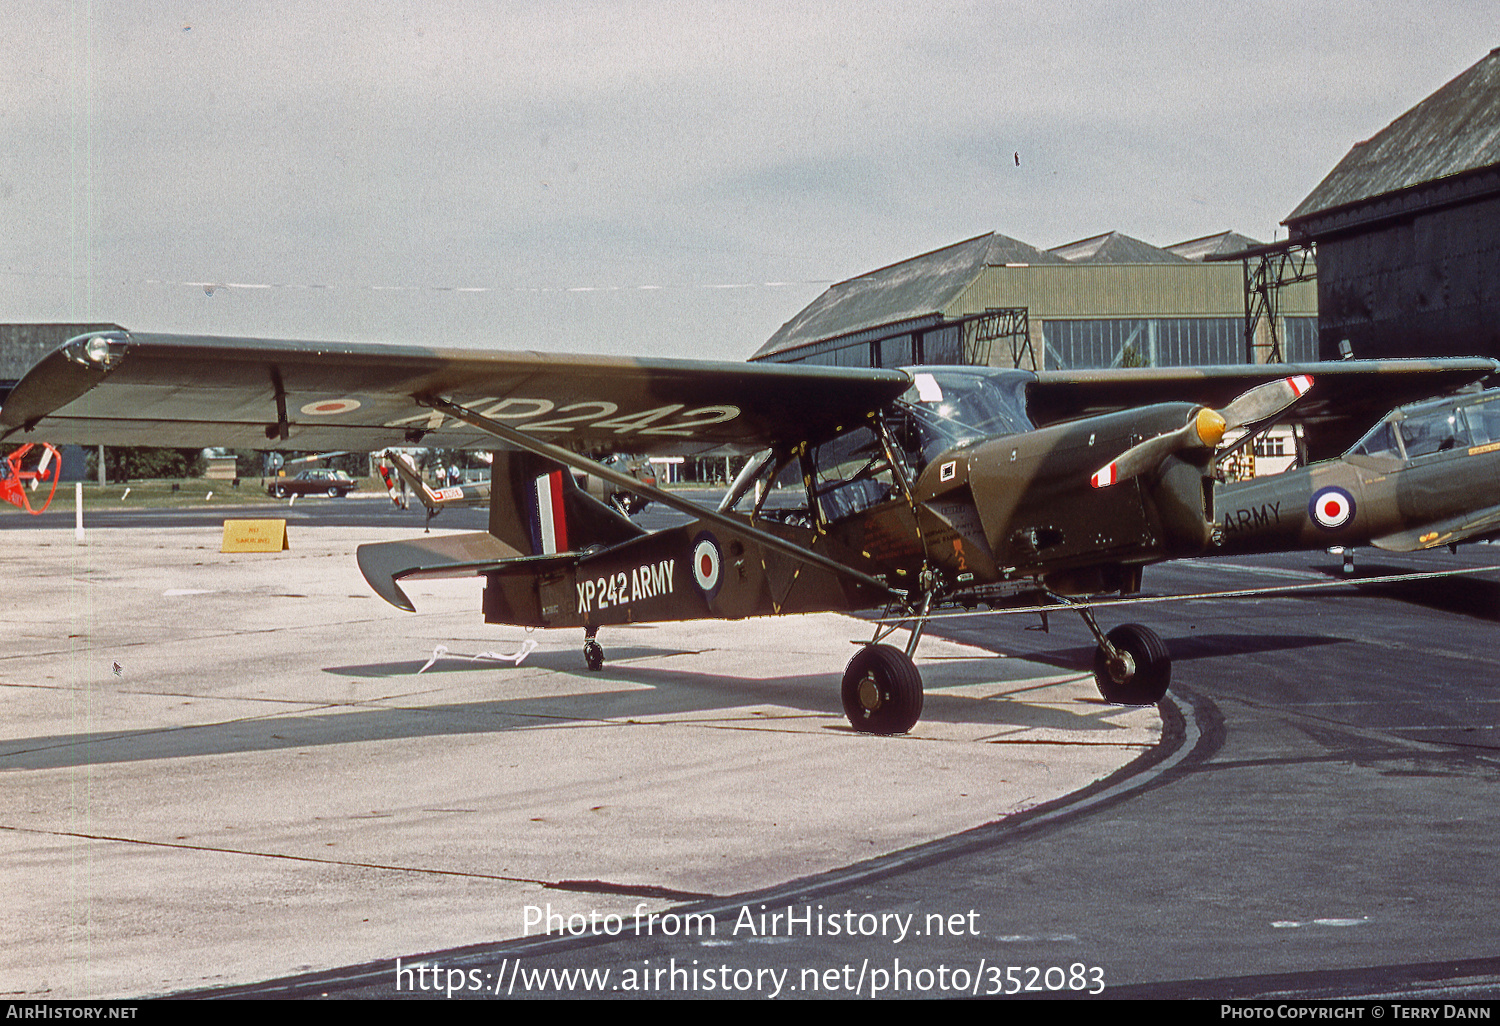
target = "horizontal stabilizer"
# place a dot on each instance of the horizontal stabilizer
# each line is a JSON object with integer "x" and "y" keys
{"x": 452, "y": 555}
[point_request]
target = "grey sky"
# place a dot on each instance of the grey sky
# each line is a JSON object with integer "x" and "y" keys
{"x": 668, "y": 178}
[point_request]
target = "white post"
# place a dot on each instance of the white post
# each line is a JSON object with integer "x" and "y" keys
{"x": 78, "y": 511}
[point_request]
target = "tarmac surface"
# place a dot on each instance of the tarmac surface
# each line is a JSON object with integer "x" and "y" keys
{"x": 223, "y": 768}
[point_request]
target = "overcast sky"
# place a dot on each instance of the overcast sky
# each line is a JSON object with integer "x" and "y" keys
{"x": 677, "y": 179}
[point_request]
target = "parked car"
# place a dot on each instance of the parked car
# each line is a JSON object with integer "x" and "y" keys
{"x": 313, "y": 482}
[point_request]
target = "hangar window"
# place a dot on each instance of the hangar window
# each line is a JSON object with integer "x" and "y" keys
{"x": 1144, "y": 342}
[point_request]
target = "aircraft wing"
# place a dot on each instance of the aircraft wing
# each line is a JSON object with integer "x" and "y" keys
{"x": 1471, "y": 526}
{"x": 124, "y": 388}
{"x": 1348, "y": 396}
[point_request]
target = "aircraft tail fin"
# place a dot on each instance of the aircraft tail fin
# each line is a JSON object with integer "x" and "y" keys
{"x": 537, "y": 507}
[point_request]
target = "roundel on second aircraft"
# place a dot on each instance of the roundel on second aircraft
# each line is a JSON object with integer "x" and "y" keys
{"x": 1331, "y": 508}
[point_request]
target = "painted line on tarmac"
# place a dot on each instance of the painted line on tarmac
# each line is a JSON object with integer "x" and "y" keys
{"x": 1190, "y": 741}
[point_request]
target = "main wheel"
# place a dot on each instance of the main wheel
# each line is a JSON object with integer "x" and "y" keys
{"x": 1148, "y": 670}
{"x": 593, "y": 655}
{"x": 882, "y": 691}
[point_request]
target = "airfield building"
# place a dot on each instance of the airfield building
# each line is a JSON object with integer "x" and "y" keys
{"x": 1105, "y": 301}
{"x": 1407, "y": 230}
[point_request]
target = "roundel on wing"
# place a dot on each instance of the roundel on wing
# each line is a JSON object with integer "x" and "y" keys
{"x": 329, "y": 407}
{"x": 706, "y": 564}
{"x": 1331, "y": 508}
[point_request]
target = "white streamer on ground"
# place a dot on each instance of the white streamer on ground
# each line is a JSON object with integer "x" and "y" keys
{"x": 527, "y": 647}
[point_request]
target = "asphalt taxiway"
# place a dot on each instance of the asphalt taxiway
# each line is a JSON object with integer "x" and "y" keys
{"x": 225, "y": 768}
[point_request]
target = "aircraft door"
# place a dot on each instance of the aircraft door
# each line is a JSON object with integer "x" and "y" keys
{"x": 861, "y": 499}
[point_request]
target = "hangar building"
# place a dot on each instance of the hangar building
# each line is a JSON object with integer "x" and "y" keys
{"x": 1407, "y": 230}
{"x": 1105, "y": 301}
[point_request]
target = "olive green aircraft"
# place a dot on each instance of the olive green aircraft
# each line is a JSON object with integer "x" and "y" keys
{"x": 1426, "y": 476}
{"x": 901, "y": 490}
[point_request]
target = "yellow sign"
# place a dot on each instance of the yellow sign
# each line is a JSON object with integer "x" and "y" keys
{"x": 254, "y": 536}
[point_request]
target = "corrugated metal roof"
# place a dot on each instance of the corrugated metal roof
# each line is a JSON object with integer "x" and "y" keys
{"x": 1213, "y": 245}
{"x": 1456, "y": 129}
{"x": 919, "y": 287}
{"x": 1114, "y": 248}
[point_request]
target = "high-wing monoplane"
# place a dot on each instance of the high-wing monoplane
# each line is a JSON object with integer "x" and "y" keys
{"x": 868, "y": 488}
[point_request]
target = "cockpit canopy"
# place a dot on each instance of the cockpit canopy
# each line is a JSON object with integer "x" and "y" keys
{"x": 1427, "y": 428}
{"x": 874, "y": 463}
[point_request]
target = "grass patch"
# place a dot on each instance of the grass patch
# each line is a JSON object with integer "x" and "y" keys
{"x": 176, "y": 494}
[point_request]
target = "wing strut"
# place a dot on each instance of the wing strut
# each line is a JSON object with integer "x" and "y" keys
{"x": 584, "y": 465}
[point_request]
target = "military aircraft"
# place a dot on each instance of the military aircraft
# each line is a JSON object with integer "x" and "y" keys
{"x": 1426, "y": 476}
{"x": 869, "y": 488}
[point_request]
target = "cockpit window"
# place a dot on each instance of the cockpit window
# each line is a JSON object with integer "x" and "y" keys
{"x": 1484, "y": 420}
{"x": 1430, "y": 431}
{"x": 1379, "y": 442}
{"x": 948, "y": 406}
{"x": 851, "y": 474}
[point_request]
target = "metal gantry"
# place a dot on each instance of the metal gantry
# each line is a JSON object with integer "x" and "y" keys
{"x": 1268, "y": 269}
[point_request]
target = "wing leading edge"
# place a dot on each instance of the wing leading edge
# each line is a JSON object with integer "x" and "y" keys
{"x": 124, "y": 388}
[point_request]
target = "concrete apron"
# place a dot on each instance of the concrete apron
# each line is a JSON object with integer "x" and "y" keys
{"x": 226, "y": 768}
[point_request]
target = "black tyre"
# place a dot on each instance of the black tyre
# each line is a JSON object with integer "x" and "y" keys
{"x": 335, "y": 493}
{"x": 279, "y": 491}
{"x": 1146, "y": 681}
{"x": 882, "y": 691}
{"x": 593, "y": 655}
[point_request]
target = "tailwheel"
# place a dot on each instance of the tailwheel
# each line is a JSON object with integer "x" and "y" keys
{"x": 1140, "y": 673}
{"x": 882, "y": 691}
{"x": 593, "y": 652}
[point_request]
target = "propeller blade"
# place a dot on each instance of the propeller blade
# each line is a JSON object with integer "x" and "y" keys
{"x": 1265, "y": 401}
{"x": 1205, "y": 430}
{"x": 1145, "y": 456}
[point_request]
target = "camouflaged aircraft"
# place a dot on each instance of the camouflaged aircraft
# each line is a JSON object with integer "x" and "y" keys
{"x": 1426, "y": 476}
{"x": 867, "y": 489}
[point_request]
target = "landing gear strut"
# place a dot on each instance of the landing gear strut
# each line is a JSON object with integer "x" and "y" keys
{"x": 1132, "y": 665}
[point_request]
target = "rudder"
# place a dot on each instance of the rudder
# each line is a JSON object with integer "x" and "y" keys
{"x": 538, "y": 508}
